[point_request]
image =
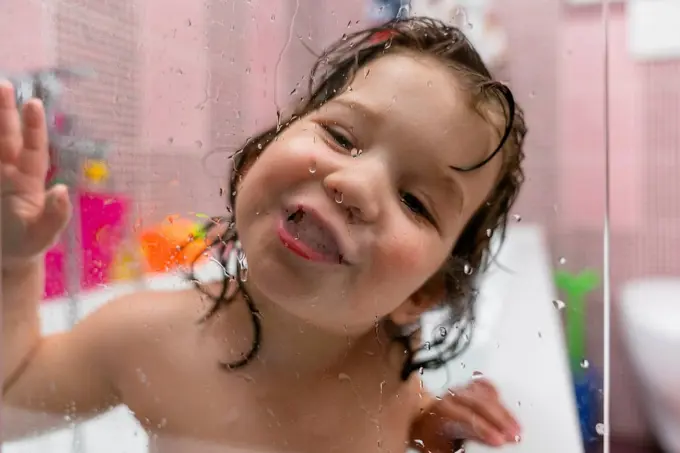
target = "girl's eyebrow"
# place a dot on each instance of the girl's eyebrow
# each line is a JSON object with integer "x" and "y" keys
{"x": 355, "y": 106}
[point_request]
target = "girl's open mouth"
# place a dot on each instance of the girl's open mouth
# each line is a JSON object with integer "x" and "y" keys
{"x": 306, "y": 234}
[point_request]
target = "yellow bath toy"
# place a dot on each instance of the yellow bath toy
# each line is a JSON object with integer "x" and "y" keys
{"x": 125, "y": 268}
{"x": 96, "y": 171}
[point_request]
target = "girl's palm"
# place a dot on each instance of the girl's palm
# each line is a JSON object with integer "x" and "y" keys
{"x": 32, "y": 217}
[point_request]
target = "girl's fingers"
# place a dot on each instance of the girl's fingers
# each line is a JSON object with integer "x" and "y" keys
{"x": 463, "y": 421}
{"x": 10, "y": 126}
{"x": 483, "y": 401}
{"x": 34, "y": 158}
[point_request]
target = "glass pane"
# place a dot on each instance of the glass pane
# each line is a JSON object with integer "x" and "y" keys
{"x": 645, "y": 214}
{"x": 338, "y": 329}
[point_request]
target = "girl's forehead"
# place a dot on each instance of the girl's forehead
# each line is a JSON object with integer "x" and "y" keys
{"x": 420, "y": 101}
{"x": 405, "y": 72}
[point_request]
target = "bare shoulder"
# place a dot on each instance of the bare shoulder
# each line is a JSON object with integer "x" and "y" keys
{"x": 142, "y": 318}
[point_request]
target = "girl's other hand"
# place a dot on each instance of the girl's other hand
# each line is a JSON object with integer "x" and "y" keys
{"x": 474, "y": 412}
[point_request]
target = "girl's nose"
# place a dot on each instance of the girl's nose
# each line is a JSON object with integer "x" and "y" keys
{"x": 357, "y": 190}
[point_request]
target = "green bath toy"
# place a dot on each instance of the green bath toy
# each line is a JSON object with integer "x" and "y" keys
{"x": 576, "y": 288}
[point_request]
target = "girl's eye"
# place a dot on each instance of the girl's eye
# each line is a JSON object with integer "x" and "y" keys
{"x": 416, "y": 206}
{"x": 338, "y": 138}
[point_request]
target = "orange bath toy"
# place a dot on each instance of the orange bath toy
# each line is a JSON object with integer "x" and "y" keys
{"x": 176, "y": 242}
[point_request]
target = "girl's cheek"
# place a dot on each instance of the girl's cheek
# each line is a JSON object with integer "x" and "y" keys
{"x": 410, "y": 253}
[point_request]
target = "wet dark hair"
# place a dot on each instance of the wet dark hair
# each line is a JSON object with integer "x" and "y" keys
{"x": 331, "y": 75}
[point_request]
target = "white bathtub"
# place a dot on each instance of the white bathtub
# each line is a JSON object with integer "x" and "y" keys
{"x": 518, "y": 344}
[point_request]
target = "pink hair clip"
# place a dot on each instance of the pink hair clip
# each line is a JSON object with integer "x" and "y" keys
{"x": 382, "y": 36}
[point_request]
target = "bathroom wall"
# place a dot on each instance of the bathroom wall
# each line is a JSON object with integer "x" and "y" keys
{"x": 28, "y": 50}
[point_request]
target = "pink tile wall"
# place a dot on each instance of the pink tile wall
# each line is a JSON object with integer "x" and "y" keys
{"x": 22, "y": 50}
{"x": 582, "y": 133}
{"x": 174, "y": 74}
{"x": 580, "y": 157}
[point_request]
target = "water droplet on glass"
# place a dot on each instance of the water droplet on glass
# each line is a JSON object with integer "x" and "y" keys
{"x": 532, "y": 94}
{"x": 419, "y": 443}
{"x": 141, "y": 376}
{"x": 562, "y": 260}
{"x": 421, "y": 370}
{"x": 312, "y": 167}
{"x": 467, "y": 269}
{"x": 517, "y": 217}
{"x": 428, "y": 346}
{"x": 338, "y": 197}
{"x": 355, "y": 152}
{"x": 585, "y": 364}
{"x": 429, "y": 83}
{"x": 489, "y": 232}
{"x": 600, "y": 429}
{"x": 243, "y": 274}
{"x": 477, "y": 375}
{"x": 273, "y": 17}
{"x": 241, "y": 256}
{"x": 442, "y": 331}
{"x": 518, "y": 438}
{"x": 403, "y": 12}
{"x": 344, "y": 377}
{"x": 559, "y": 304}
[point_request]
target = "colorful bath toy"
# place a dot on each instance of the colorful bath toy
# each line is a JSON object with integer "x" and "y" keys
{"x": 176, "y": 242}
{"x": 587, "y": 381}
{"x": 126, "y": 265}
{"x": 95, "y": 171}
{"x": 576, "y": 288}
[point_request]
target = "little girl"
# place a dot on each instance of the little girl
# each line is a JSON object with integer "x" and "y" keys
{"x": 370, "y": 205}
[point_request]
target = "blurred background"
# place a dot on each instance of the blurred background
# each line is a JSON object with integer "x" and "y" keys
{"x": 176, "y": 86}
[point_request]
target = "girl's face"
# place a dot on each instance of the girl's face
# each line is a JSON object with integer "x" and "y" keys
{"x": 354, "y": 207}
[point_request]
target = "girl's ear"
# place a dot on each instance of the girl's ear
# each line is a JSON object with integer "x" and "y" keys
{"x": 426, "y": 298}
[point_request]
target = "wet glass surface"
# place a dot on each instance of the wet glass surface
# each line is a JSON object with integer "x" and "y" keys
{"x": 344, "y": 215}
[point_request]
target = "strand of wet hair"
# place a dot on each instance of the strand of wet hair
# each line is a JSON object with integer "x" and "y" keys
{"x": 510, "y": 99}
{"x": 222, "y": 248}
{"x": 458, "y": 346}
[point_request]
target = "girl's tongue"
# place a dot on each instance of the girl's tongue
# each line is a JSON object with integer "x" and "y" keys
{"x": 312, "y": 233}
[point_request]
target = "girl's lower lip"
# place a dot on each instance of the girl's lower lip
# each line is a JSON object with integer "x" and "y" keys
{"x": 298, "y": 247}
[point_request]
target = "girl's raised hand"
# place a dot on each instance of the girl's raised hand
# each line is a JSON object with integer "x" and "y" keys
{"x": 32, "y": 217}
